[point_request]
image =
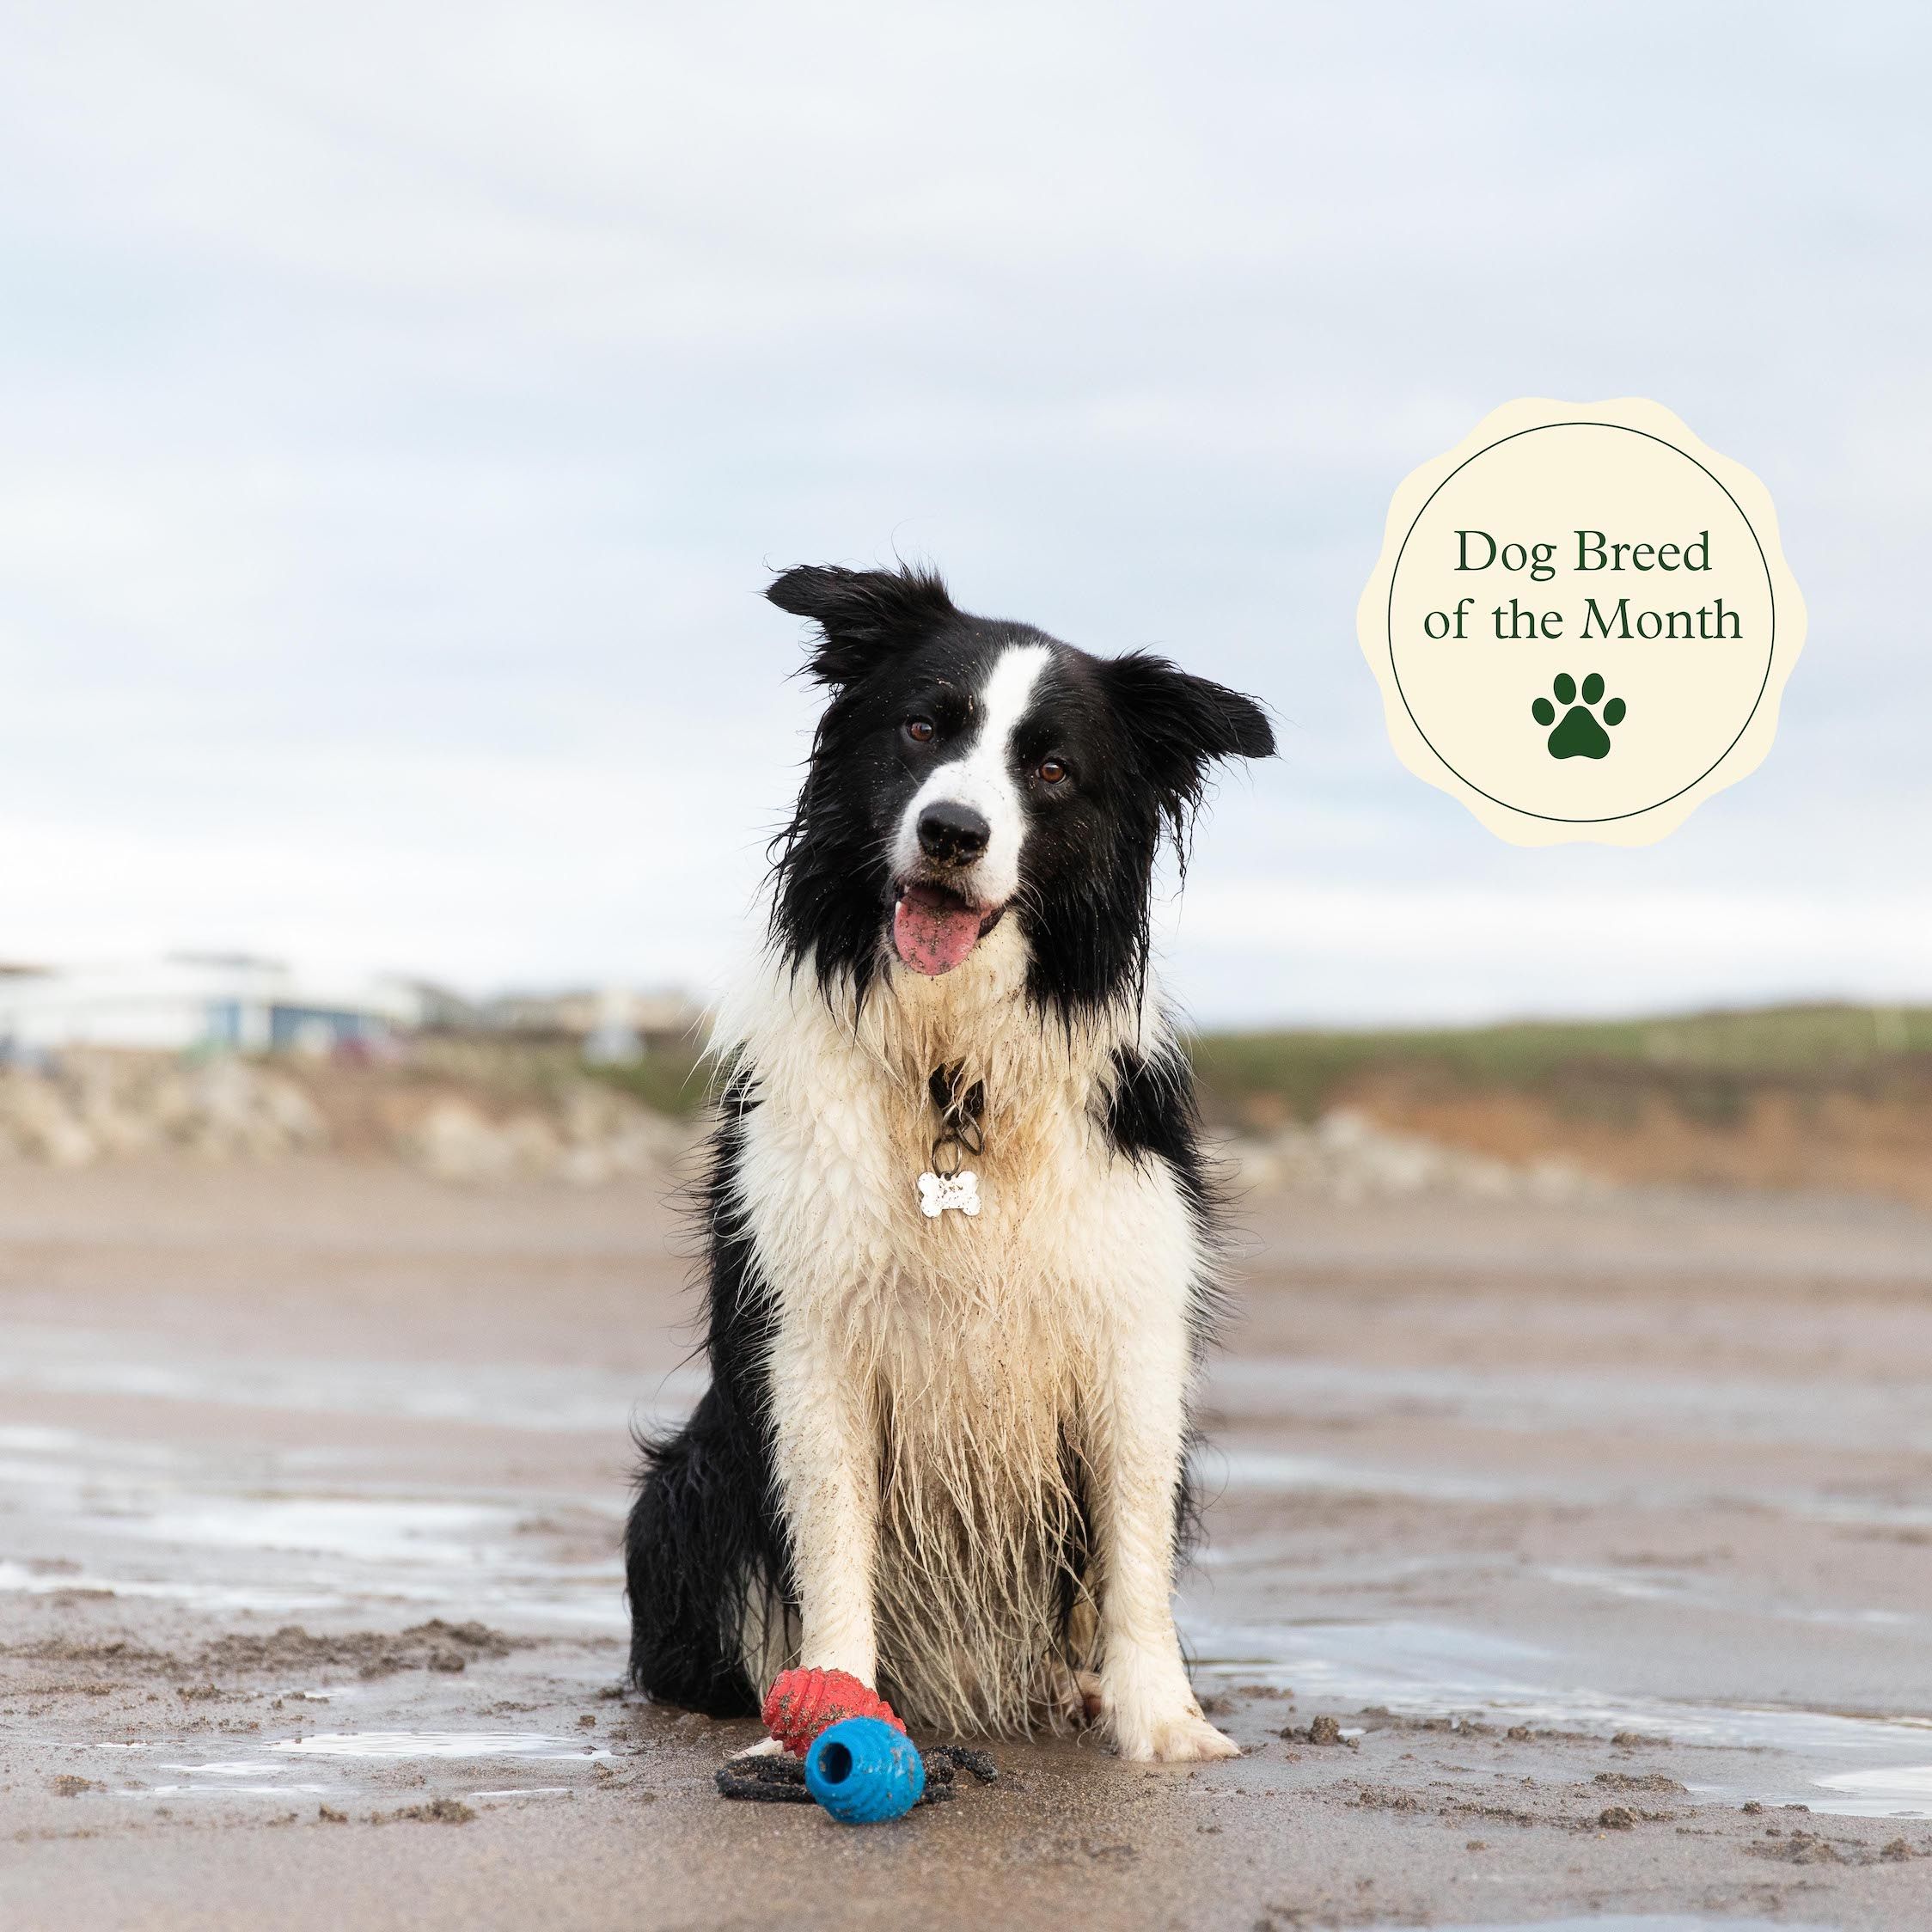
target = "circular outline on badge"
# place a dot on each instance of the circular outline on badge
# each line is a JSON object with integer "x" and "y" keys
{"x": 1388, "y": 624}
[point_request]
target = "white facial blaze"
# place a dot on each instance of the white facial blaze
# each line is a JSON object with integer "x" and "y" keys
{"x": 982, "y": 778}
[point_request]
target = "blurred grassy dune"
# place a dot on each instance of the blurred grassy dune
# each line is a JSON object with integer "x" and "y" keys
{"x": 1819, "y": 1098}
{"x": 1827, "y": 1097}
{"x": 1832, "y": 1098}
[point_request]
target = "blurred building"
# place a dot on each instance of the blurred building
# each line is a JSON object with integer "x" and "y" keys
{"x": 245, "y": 1004}
{"x": 611, "y": 1025}
{"x": 192, "y": 1000}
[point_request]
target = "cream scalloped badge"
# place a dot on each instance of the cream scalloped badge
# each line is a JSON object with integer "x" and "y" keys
{"x": 1581, "y": 621}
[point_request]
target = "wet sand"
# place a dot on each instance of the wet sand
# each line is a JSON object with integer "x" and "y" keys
{"x": 1603, "y": 1535}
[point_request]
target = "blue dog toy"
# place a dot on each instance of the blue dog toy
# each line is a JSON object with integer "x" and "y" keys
{"x": 863, "y": 1771}
{"x": 883, "y": 1778}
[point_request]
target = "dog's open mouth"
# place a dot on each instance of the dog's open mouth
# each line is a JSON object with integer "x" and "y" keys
{"x": 934, "y": 928}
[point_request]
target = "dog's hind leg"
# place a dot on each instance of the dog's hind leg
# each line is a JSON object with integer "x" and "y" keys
{"x": 699, "y": 1571}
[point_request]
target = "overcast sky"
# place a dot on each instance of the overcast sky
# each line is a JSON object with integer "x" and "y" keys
{"x": 401, "y": 406}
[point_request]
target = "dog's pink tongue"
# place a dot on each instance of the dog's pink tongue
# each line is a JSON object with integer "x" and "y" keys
{"x": 934, "y": 930}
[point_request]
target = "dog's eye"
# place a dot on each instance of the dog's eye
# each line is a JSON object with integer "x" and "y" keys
{"x": 921, "y": 730}
{"x": 1051, "y": 771}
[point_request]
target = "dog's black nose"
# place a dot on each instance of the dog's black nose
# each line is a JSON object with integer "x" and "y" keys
{"x": 953, "y": 833}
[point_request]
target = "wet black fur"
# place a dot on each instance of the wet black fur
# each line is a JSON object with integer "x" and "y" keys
{"x": 704, "y": 1531}
{"x": 1138, "y": 735}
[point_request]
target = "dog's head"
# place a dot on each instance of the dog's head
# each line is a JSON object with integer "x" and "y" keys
{"x": 970, "y": 770}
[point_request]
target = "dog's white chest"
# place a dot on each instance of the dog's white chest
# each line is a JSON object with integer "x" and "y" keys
{"x": 938, "y": 1192}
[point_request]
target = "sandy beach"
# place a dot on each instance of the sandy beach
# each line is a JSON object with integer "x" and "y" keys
{"x": 1564, "y": 1563}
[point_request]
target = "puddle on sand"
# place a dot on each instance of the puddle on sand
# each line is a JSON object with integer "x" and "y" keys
{"x": 585, "y": 1599}
{"x": 340, "y": 1752}
{"x": 1903, "y": 1791}
{"x": 373, "y": 1529}
{"x": 439, "y": 1744}
{"x": 230, "y": 1791}
{"x": 1426, "y": 1670}
{"x": 514, "y": 1396}
{"x": 1818, "y": 1413}
{"x": 1700, "y": 1593}
{"x": 207, "y": 1596}
{"x": 182, "y": 1529}
{"x": 1235, "y": 1469}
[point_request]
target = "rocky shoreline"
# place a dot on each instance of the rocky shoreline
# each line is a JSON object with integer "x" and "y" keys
{"x": 90, "y": 1108}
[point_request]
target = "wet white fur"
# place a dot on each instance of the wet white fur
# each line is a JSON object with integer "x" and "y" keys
{"x": 925, "y": 1372}
{"x": 983, "y": 778}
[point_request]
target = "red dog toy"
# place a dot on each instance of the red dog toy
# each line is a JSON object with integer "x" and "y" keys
{"x": 801, "y": 1703}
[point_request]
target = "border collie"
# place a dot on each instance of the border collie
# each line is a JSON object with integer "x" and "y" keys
{"x": 961, "y": 1234}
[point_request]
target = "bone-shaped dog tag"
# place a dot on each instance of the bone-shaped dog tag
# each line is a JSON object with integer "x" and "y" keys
{"x": 938, "y": 1192}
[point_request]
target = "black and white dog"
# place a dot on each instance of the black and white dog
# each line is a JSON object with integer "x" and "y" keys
{"x": 960, "y": 1239}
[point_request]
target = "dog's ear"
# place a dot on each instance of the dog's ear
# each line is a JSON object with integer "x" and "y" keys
{"x": 1181, "y": 724}
{"x": 864, "y": 614}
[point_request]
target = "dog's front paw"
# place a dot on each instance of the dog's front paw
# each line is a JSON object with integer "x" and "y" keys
{"x": 1170, "y": 1737}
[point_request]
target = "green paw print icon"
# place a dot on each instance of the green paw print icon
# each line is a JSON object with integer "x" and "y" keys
{"x": 1579, "y": 735}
